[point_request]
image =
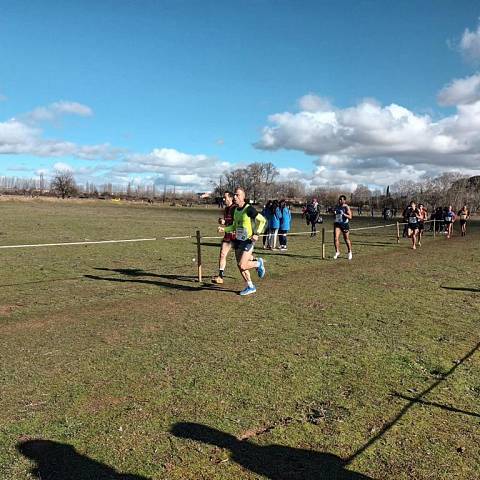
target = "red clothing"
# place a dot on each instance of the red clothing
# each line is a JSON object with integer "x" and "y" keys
{"x": 228, "y": 217}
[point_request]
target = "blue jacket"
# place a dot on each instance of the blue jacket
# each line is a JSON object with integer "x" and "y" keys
{"x": 274, "y": 219}
{"x": 286, "y": 220}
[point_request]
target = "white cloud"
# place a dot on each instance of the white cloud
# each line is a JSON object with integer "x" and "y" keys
{"x": 54, "y": 111}
{"x": 23, "y": 135}
{"x": 470, "y": 45}
{"x": 376, "y": 145}
{"x": 169, "y": 166}
{"x": 63, "y": 167}
{"x": 314, "y": 103}
{"x": 461, "y": 91}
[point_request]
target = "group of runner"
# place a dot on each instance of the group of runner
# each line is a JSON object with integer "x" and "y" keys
{"x": 242, "y": 226}
{"x": 415, "y": 217}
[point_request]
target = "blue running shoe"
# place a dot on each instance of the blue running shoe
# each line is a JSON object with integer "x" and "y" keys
{"x": 248, "y": 291}
{"x": 261, "y": 268}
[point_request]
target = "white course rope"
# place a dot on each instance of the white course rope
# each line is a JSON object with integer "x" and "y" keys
{"x": 183, "y": 237}
{"x": 79, "y": 243}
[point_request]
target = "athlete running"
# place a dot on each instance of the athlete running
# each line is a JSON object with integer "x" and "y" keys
{"x": 247, "y": 224}
{"x": 421, "y": 222}
{"x": 449, "y": 219}
{"x": 228, "y": 238}
{"x": 412, "y": 217}
{"x": 341, "y": 224}
{"x": 464, "y": 215}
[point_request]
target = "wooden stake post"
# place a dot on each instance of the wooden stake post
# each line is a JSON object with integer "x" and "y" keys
{"x": 434, "y": 229}
{"x": 323, "y": 243}
{"x": 398, "y": 232}
{"x": 199, "y": 256}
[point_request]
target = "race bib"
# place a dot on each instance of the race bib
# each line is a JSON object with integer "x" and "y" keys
{"x": 448, "y": 219}
{"x": 241, "y": 234}
{"x": 339, "y": 217}
{"x": 412, "y": 220}
{"x": 463, "y": 216}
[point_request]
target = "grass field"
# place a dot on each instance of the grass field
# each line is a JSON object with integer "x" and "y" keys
{"x": 114, "y": 361}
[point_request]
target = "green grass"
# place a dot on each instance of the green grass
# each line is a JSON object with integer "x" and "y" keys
{"x": 105, "y": 348}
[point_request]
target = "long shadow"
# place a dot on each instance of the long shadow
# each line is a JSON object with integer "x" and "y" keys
{"x": 462, "y": 289}
{"x": 159, "y": 283}
{"x": 411, "y": 402}
{"x": 60, "y": 461}
{"x": 438, "y": 405}
{"x": 275, "y": 462}
{"x": 138, "y": 272}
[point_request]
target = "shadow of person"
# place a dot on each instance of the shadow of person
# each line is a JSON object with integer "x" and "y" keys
{"x": 197, "y": 287}
{"x": 59, "y": 461}
{"x": 275, "y": 462}
{"x": 462, "y": 289}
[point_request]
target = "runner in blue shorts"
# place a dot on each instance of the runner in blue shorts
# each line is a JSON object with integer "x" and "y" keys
{"x": 341, "y": 224}
{"x": 413, "y": 218}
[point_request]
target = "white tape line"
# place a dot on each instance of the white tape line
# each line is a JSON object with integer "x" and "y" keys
{"x": 371, "y": 228}
{"x": 79, "y": 243}
{"x": 181, "y": 238}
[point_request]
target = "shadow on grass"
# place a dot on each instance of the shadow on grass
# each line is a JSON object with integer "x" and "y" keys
{"x": 162, "y": 280}
{"x": 412, "y": 401}
{"x": 438, "y": 405}
{"x": 275, "y": 462}
{"x": 59, "y": 461}
{"x": 462, "y": 289}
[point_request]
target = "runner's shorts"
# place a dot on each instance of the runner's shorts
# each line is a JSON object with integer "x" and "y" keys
{"x": 413, "y": 226}
{"x": 344, "y": 227}
{"x": 243, "y": 245}
{"x": 421, "y": 226}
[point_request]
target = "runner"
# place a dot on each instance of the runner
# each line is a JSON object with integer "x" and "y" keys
{"x": 248, "y": 224}
{"x": 227, "y": 241}
{"x": 464, "y": 215}
{"x": 412, "y": 216}
{"x": 343, "y": 215}
{"x": 312, "y": 213}
{"x": 421, "y": 222}
{"x": 449, "y": 220}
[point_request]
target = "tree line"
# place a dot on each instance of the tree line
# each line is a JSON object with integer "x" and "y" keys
{"x": 261, "y": 183}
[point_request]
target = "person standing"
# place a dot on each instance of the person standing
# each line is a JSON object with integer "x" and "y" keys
{"x": 285, "y": 224}
{"x": 449, "y": 220}
{"x": 464, "y": 215}
{"x": 247, "y": 224}
{"x": 273, "y": 225}
{"x": 228, "y": 238}
{"x": 341, "y": 224}
{"x": 266, "y": 214}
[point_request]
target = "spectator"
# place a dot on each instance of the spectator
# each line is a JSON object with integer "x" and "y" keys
{"x": 285, "y": 224}
{"x": 273, "y": 225}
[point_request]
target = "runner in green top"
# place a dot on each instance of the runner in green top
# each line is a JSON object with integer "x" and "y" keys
{"x": 248, "y": 224}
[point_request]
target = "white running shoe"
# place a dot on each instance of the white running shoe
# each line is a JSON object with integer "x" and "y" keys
{"x": 337, "y": 254}
{"x": 350, "y": 256}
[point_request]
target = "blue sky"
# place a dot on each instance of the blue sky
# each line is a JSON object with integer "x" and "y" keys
{"x": 178, "y": 91}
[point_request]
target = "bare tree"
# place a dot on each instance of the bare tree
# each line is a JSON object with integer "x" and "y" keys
{"x": 63, "y": 184}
